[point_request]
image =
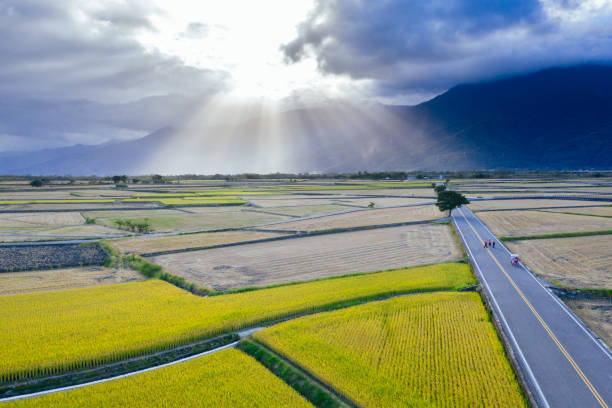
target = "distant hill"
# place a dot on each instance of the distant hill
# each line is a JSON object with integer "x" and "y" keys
{"x": 559, "y": 118}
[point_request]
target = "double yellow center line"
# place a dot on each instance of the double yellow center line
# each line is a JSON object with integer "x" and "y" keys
{"x": 542, "y": 322}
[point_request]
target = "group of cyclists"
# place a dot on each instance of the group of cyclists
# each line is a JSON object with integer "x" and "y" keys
{"x": 489, "y": 243}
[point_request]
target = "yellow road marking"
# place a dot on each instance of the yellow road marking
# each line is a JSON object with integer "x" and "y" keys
{"x": 543, "y": 323}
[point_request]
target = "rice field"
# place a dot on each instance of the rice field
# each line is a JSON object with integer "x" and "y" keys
{"x": 314, "y": 257}
{"x": 520, "y": 223}
{"x": 86, "y": 201}
{"x": 363, "y": 218}
{"x": 595, "y": 211}
{"x": 596, "y": 313}
{"x": 527, "y": 203}
{"x": 581, "y": 262}
{"x": 180, "y": 201}
{"x": 185, "y": 241}
{"x": 437, "y": 349}
{"x": 189, "y": 219}
{"x": 67, "y": 278}
{"x": 80, "y": 328}
{"x": 228, "y": 378}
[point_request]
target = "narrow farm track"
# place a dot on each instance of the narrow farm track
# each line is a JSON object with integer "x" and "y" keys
{"x": 242, "y": 334}
{"x": 562, "y": 364}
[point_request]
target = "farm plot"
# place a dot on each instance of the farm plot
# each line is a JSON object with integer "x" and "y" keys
{"x": 25, "y": 220}
{"x": 383, "y": 201}
{"x": 191, "y": 219}
{"x": 596, "y": 211}
{"x": 363, "y": 218}
{"x": 596, "y": 313}
{"x": 58, "y": 232}
{"x": 307, "y": 210}
{"x": 437, "y": 349}
{"x": 314, "y": 257}
{"x": 292, "y": 201}
{"x": 79, "y": 328}
{"x": 528, "y": 203}
{"x": 520, "y": 223}
{"x": 581, "y": 262}
{"x": 185, "y": 241}
{"x": 77, "y": 206}
{"x": 17, "y": 258}
{"x": 228, "y": 378}
{"x": 35, "y": 281}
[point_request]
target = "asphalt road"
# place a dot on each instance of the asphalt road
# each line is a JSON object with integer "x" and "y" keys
{"x": 562, "y": 363}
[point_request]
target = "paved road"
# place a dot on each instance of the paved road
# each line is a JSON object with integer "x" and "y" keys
{"x": 562, "y": 363}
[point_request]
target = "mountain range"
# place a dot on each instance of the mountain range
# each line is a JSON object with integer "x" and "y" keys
{"x": 558, "y": 118}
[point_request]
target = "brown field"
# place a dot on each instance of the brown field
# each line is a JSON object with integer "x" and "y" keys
{"x": 581, "y": 262}
{"x": 383, "y": 201}
{"x": 172, "y": 242}
{"x": 78, "y": 206}
{"x": 596, "y": 313}
{"x": 517, "y": 223}
{"x": 34, "y": 281}
{"x": 191, "y": 219}
{"x": 363, "y": 218}
{"x": 528, "y": 203}
{"x": 306, "y": 210}
{"x": 73, "y": 194}
{"x": 314, "y": 257}
{"x": 601, "y": 211}
{"x": 58, "y": 232}
{"x": 40, "y": 219}
{"x": 288, "y": 201}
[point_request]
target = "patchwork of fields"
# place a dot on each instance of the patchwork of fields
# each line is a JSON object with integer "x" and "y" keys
{"x": 419, "y": 350}
{"x": 524, "y": 223}
{"x": 80, "y": 328}
{"x": 355, "y": 334}
{"x": 314, "y": 257}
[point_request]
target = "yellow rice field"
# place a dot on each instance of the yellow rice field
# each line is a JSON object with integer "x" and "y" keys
{"x": 228, "y": 378}
{"x": 437, "y": 349}
{"x": 80, "y": 328}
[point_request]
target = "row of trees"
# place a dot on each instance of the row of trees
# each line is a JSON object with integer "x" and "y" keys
{"x": 136, "y": 226}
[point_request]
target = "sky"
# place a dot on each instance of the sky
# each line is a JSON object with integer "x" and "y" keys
{"x": 83, "y": 72}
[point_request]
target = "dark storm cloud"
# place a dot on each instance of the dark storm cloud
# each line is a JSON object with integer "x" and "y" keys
{"x": 72, "y": 70}
{"x": 426, "y": 46}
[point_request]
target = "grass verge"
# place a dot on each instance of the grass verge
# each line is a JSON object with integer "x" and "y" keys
{"x": 310, "y": 389}
{"x": 557, "y": 235}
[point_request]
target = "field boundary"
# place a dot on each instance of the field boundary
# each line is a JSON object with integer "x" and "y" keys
{"x": 315, "y": 390}
{"x": 556, "y": 235}
{"x": 136, "y": 365}
{"x": 290, "y": 235}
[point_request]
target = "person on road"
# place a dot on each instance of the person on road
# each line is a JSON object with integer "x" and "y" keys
{"x": 485, "y": 242}
{"x": 493, "y": 243}
{"x": 490, "y": 244}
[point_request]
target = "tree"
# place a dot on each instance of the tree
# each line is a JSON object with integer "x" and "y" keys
{"x": 36, "y": 183}
{"x": 116, "y": 179}
{"x": 157, "y": 179}
{"x": 439, "y": 188}
{"x": 449, "y": 200}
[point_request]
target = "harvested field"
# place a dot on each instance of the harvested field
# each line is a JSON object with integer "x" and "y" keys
{"x": 596, "y": 313}
{"x": 383, "y": 201}
{"x": 16, "y": 258}
{"x": 529, "y": 203}
{"x": 306, "y": 210}
{"x": 173, "y": 242}
{"x": 17, "y": 234}
{"x": 202, "y": 218}
{"x": 314, "y": 257}
{"x": 266, "y": 203}
{"x": 582, "y": 262}
{"x": 228, "y": 378}
{"x": 77, "y": 206}
{"x": 599, "y": 211}
{"x": 423, "y": 350}
{"x": 39, "y": 219}
{"x": 363, "y": 218}
{"x": 519, "y": 223}
{"x": 35, "y": 281}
